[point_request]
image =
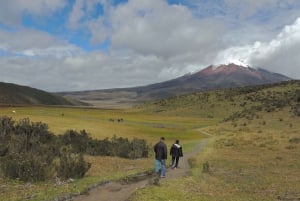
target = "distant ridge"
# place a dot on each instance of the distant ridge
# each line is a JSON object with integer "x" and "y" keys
{"x": 212, "y": 77}
{"x": 23, "y": 95}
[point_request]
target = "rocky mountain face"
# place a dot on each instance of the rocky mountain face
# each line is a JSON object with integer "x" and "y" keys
{"x": 232, "y": 75}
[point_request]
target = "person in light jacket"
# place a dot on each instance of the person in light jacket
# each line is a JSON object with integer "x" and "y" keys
{"x": 176, "y": 152}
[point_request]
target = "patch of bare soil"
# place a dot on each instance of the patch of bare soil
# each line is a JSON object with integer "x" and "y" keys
{"x": 122, "y": 190}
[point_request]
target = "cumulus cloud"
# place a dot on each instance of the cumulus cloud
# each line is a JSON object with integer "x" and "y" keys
{"x": 87, "y": 71}
{"x": 249, "y": 20}
{"x": 148, "y": 41}
{"x": 278, "y": 55}
{"x": 154, "y": 27}
{"x": 82, "y": 12}
{"x": 11, "y": 11}
{"x": 29, "y": 42}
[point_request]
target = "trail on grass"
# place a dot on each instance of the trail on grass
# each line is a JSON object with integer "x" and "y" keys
{"x": 122, "y": 191}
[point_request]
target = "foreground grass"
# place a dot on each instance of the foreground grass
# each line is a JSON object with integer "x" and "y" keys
{"x": 243, "y": 162}
{"x": 97, "y": 123}
{"x": 103, "y": 169}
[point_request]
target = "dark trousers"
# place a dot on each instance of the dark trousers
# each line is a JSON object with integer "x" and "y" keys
{"x": 176, "y": 160}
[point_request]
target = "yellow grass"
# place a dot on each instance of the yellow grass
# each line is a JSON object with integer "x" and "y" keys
{"x": 249, "y": 159}
{"x": 252, "y": 162}
{"x": 96, "y": 122}
{"x": 103, "y": 169}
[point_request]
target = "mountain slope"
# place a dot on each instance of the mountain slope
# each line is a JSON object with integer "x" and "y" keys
{"x": 231, "y": 104}
{"x": 223, "y": 76}
{"x": 16, "y": 94}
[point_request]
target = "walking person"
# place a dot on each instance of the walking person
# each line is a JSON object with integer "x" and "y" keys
{"x": 161, "y": 153}
{"x": 176, "y": 152}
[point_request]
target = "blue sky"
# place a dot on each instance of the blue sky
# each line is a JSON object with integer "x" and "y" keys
{"x": 67, "y": 45}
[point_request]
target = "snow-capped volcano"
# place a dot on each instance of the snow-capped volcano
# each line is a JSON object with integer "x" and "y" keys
{"x": 237, "y": 62}
{"x": 234, "y": 74}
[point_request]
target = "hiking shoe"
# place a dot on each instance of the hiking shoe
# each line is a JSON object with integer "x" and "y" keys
{"x": 162, "y": 176}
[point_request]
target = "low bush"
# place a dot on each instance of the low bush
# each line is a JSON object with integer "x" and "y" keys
{"x": 72, "y": 166}
{"x": 25, "y": 166}
{"x": 28, "y": 151}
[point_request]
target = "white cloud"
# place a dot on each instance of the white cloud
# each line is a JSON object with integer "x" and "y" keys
{"x": 28, "y": 42}
{"x": 76, "y": 14}
{"x": 279, "y": 55}
{"x": 82, "y": 11}
{"x": 11, "y": 11}
{"x": 155, "y": 27}
{"x": 151, "y": 41}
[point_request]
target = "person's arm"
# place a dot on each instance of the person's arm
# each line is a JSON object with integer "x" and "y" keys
{"x": 180, "y": 151}
{"x": 166, "y": 151}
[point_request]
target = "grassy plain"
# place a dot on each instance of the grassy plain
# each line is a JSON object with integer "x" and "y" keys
{"x": 244, "y": 165}
{"x": 99, "y": 123}
{"x": 253, "y": 153}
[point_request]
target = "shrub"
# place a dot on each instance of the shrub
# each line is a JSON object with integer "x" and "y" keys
{"x": 6, "y": 128}
{"x": 205, "y": 168}
{"x": 294, "y": 140}
{"x": 72, "y": 166}
{"x": 78, "y": 141}
{"x": 25, "y": 166}
{"x": 28, "y": 150}
{"x": 296, "y": 109}
{"x": 139, "y": 148}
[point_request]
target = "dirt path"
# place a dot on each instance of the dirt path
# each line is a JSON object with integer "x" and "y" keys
{"x": 120, "y": 191}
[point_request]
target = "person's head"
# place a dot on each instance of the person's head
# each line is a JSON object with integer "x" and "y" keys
{"x": 177, "y": 141}
{"x": 162, "y": 139}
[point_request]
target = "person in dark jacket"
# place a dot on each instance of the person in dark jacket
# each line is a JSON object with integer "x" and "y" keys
{"x": 176, "y": 152}
{"x": 161, "y": 153}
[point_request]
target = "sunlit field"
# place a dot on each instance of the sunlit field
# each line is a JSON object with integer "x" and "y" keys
{"x": 241, "y": 166}
{"x": 99, "y": 123}
{"x": 252, "y": 151}
{"x": 102, "y": 123}
{"x": 245, "y": 160}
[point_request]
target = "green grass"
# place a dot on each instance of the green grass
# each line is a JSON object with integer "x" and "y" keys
{"x": 96, "y": 122}
{"x": 103, "y": 169}
{"x": 242, "y": 166}
{"x": 251, "y": 156}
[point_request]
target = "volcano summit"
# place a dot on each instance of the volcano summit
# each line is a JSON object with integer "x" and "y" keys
{"x": 234, "y": 74}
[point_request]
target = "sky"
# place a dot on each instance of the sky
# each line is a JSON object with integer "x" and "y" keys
{"x": 74, "y": 45}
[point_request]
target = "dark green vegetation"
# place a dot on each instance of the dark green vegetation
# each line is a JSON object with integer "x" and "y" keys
{"x": 29, "y": 152}
{"x": 16, "y": 94}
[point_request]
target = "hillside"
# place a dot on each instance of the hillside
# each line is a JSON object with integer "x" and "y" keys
{"x": 16, "y": 94}
{"x": 232, "y": 103}
{"x": 212, "y": 77}
{"x": 251, "y": 154}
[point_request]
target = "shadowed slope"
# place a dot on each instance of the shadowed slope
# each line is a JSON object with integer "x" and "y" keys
{"x": 16, "y": 94}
